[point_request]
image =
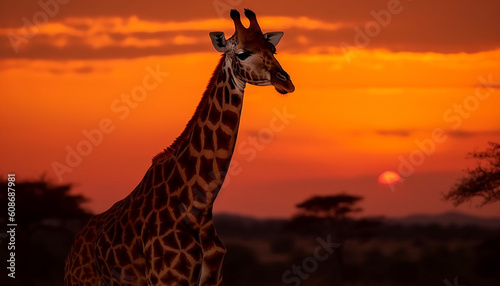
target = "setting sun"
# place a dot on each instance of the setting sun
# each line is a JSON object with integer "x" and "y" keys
{"x": 389, "y": 177}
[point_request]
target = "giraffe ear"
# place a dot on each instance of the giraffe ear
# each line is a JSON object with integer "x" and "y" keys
{"x": 273, "y": 37}
{"x": 218, "y": 41}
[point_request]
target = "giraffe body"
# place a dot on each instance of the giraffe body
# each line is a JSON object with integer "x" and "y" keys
{"x": 162, "y": 233}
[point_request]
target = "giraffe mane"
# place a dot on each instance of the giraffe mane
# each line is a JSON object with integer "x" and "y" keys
{"x": 170, "y": 150}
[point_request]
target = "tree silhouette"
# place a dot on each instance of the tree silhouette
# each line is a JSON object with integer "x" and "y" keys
{"x": 335, "y": 207}
{"x": 47, "y": 218}
{"x": 41, "y": 200}
{"x": 330, "y": 209}
{"x": 333, "y": 210}
{"x": 483, "y": 181}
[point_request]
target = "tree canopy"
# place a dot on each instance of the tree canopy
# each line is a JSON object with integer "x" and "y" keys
{"x": 483, "y": 181}
{"x": 47, "y": 216}
{"x": 39, "y": 200}
{"x": 336, "y": 206}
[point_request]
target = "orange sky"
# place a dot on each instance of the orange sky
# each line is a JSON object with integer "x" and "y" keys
{"x": 419, "y": 85}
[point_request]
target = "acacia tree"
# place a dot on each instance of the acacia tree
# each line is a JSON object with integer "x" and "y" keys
{"x": 335, "y": 207}
{"x": 332, "y": 209}
{"x": 482, "y": 181}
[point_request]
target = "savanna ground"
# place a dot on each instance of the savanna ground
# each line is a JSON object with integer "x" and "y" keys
{"x": 372, "y": 252}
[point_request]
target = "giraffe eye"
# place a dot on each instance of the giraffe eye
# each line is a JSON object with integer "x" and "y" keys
{"x": 243, "y": 55}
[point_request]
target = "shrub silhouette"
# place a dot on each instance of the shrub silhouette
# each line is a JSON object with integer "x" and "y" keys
{"x": 47, "y": 217}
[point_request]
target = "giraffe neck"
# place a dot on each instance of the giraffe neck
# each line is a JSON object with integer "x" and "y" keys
{"x": 203, "y": 152}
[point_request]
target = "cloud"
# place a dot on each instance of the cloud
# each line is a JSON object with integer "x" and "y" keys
{"x": 458, "y": 134}
{"x": 314, "y": 26}
{"x": 64, "y": 69}
{"x": 102, "y": 37}
{"x": 84, "y": 69}
{"x": 396, "y": 133}
{"x": 464, "y": 134}
{"x": 494, "y": 85}
{"x": 106, "y": 45}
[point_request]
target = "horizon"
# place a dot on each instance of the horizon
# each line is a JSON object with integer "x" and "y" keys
{"x": 383, "y": 218}
{"x": 377, "y": 90}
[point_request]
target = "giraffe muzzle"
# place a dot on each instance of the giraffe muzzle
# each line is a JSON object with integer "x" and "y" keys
{"x": 282, "y": 82}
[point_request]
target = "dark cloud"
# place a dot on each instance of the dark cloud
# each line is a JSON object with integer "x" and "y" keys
{"x": 446, "y": 26}
{"x": 12, "y": 12}
{"x": 56, "y": 71}
{"x": 85, "y": 69}
{"x": 490, "y": 85}
{"x": 86, "y": 52}
{"x": 162, "y": 35}
{"x": 118, "y": 37}
{"x": 397, "y": 133}
{"x": 464, "y": 134}
{"x": 42, "y": 47}
{"x": 458, "y": 134}
{"x": 461, "y": 134}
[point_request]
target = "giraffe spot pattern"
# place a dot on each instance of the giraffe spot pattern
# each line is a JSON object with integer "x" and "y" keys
{"x": 176, "y": 181}
{"x": 231, "y": 119}
{"x": 129, "y": 235}
{"x": 148, "y": 178}
{"x": 205, "y": 110}
{"x": 231, "y": 83}
{"x": 224, "y": 140}
{"x": 147, "y": 204}
{"x": 209, "y": 138}
{"x": 190, "y": 160}
{"x": 218, "y": 99}
{"x": 184, "y": 195}
{"x": 222, "y": 76}
{"x": 196, "y": 140}
{"x": 154, "y": 279}
{"x": 158, "y": 176}
{"x": 138, "y": 227}
{"x": 236, "y": 100}
{"x": 122, "y": 256}
{"x": 206, "y": 164}
{"x": 222, "y": 165}
{"x": 161, "y": 198}
{"x": 227, "y": 94}
{"x": 214, "y": 115}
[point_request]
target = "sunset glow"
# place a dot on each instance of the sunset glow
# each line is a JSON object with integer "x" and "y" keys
{"x": 389, "y": 177}
{"x": 415, "y": 98}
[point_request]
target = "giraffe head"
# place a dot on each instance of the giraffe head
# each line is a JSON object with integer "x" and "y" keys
{"x": 252, "y": 53}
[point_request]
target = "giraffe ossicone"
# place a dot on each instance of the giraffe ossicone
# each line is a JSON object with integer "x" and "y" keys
{"x": 162, "y": 233}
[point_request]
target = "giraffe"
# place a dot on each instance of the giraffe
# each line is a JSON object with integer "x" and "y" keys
{"x": 162, "y": 233}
